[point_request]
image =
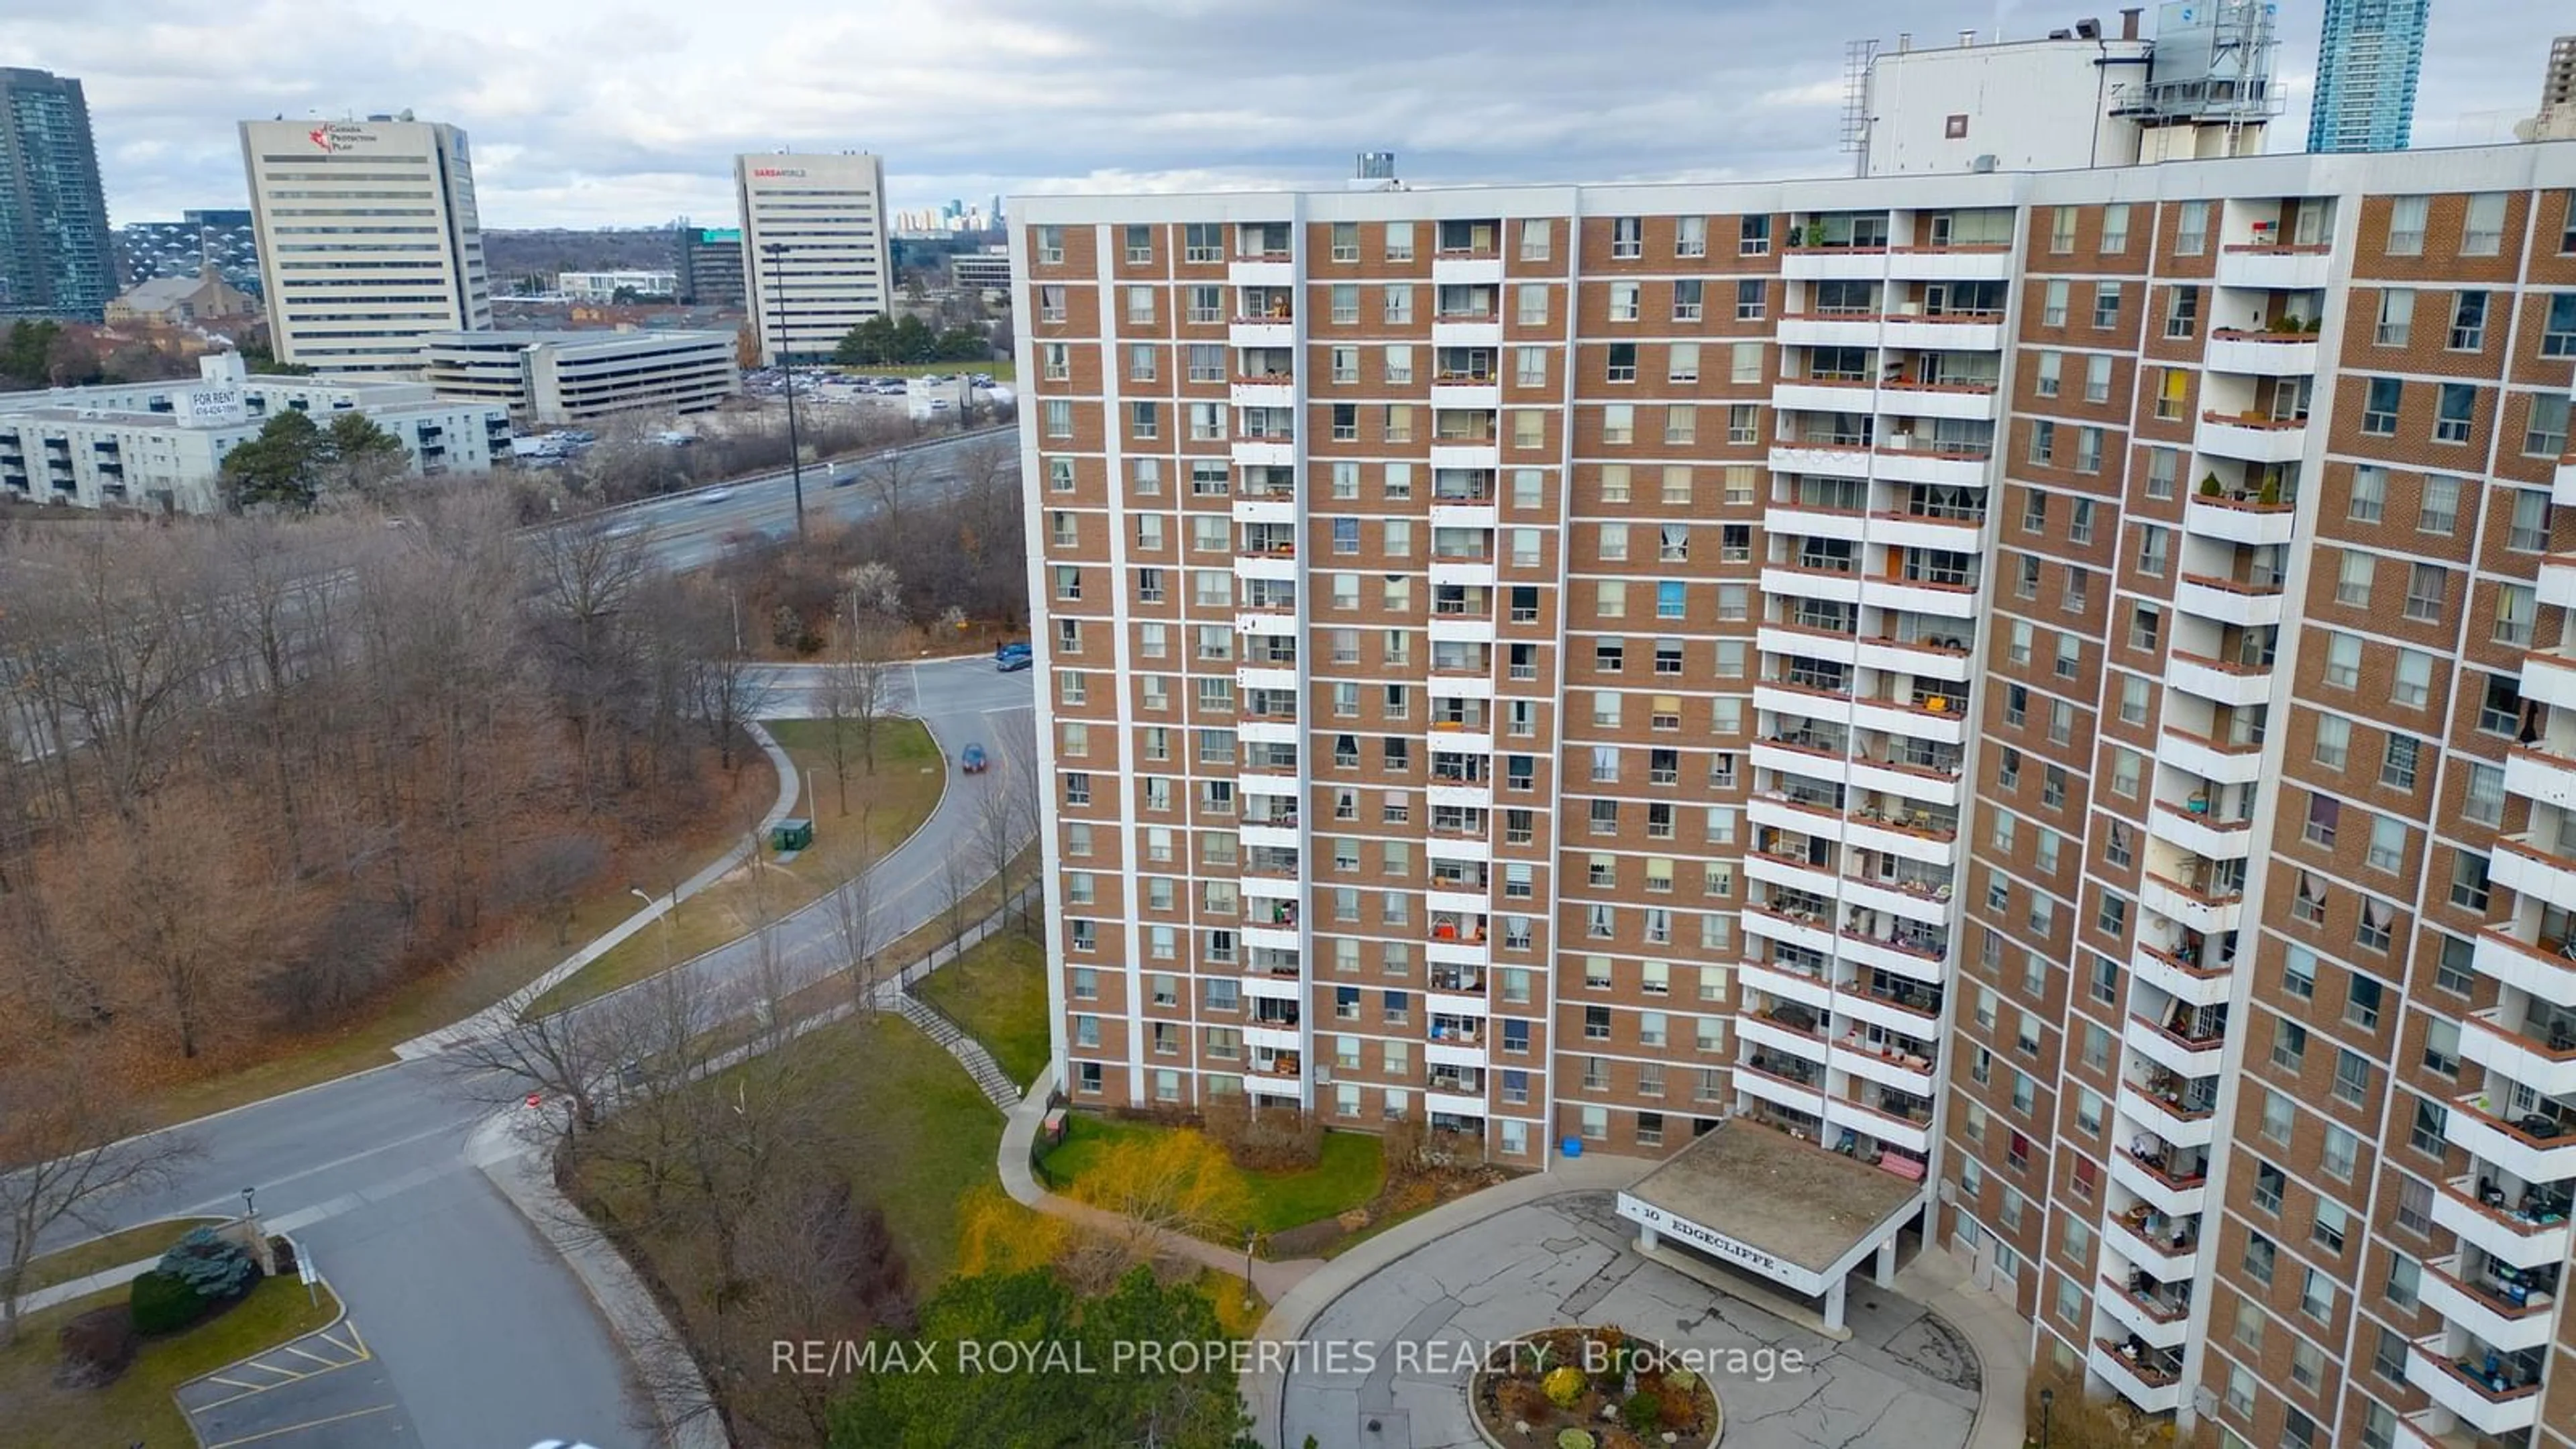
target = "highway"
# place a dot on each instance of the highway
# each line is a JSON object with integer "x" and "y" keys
{"x": 688, "y": 531}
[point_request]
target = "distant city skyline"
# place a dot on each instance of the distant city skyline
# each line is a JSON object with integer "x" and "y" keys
{"x": 586, "y": 117}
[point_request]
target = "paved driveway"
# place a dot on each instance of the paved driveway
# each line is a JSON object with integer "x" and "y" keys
{"x": 1906, "y": 1380}
{"x": 324, "y": 1390}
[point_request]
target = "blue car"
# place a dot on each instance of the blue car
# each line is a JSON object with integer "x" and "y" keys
{"x": 1011, "y": 658}
{"x": 972, "y": 760}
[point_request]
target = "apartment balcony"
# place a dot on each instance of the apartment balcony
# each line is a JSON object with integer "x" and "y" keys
{"x": 1778, "y": 1090}
{"x": 1275, "y": 390}
{"x": 2540, "y": 1055}
{"x": 2562, "y": 490}
{"x": 1462, "y": 515}
{"x": 2159, "y": 1322}
{"x": 1947, "y": 264}
{"x": 1473, "y": 850}
{"x": 2228, "y": 600}
{"x": 1949, "y": 601}
{"x": 2202, "y": 835}
{"x": 1887, "y": 1066}
{"x": 2514, "y": 1146}
{"x": 1931, "y": 786}
{"x": 2150, "y": 1387}
{"x": 1812, "y": 521}
{"x": 1829, "y": 329}
{"x": 2265, "y": 267}
{"x": 1890, "y": 1128}
{"x": 2249, "y": 523}
{"x": 1276, "y": 836}
{"x": 1917, "y": 530}
{"x": 1277, "y": 567}
{"x": 1898, "y": 959}
{"x": 1457, "y": 1052}
{"x": 1901, "y": 460}
{"x": 1804, "y": 931}
{"x": 2261, "y": 354}
{"x": 1264, "y": 452}
{"x": 2195, "y": 985}
{"x": 1464, "y": 332}
{"x": 2488, "y": 1406}
{"x": 1281, "y": 510}
{"x": 2157, "y": 1251}
{"x": 1833, "y": 263}
{"x": 2223, "y": 762}
{"x": 1771, "y": 1035}
{"x": 2538, "y": 775}
{"x": 2175, "y": 1194}
{"x": 1261, "y": 332}
{"x": 1790, "y": 873}
{"x": 1782, "y": 983}
{"x": 1905, "y": 398}
{"x": 1905, "y": 1009}
{"x": 1466, "y": 269}
{"x": 1270, "y": 677}
{"x": 1275, "y": 1082}
{"x": 1828, "y": 460}
{"x": 2251, "y": 437}
{"x": 1943, "y": 657}
{"x": 2185, "y": 903}
{"x": 1483, "y": 395}
{"x": 2525, "y": 1240}
{"x": 1261, "y": 269}
{"x": 2183, "y": 1055}
{"x": 1483, "y": 454}
{"x": 1937, "y": 717}
{"x": 1928, "y": 845}
{"x": 2526, "y": 867}
{"x": 1945, "y": 331}
{"x": 2557, "y": 584}
{"x": 2181, "y": 1126}
{"x": 2217, "y": 680}
{"x": 1822, "y": 395}
{"x": 2549, "y": 679}
{"x": 1272, "y": 1037}
{"x": 1837, "y": 586}
{"x": 2545, "y": 971}
{"x": 2507, "y": 1316}
{"x": 2422, "y": 1430}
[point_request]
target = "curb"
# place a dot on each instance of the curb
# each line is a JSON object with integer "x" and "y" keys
{"x": 336, "y": 1319}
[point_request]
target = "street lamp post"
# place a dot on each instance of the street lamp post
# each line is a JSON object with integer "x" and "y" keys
{"x": 787, "y": 363}
{"x": 2047, "y": 1401}
{"x": 250, "y": 1207}
{"x": 1249, "y": 1236}
{"x": 668, "y": 943}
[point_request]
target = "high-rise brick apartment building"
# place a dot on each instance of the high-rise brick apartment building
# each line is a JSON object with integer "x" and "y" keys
{"x": 2054, "y": 684}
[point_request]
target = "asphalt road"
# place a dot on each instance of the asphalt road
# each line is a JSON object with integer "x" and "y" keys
{"x": 482, "y": 1336}
{"x": 688, "y": 532}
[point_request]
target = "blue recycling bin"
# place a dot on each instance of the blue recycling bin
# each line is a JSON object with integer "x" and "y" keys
{"x": 1570, "y": 1147}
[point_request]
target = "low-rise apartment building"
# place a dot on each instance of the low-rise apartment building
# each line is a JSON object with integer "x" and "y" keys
{"x": 2055, "y": 685}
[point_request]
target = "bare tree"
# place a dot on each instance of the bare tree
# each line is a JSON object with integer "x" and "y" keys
{"x": 891, "y": 479}
{"x": 550, "y": 873}
{"x": 586, "y": 580}
{"x": 957, "y": 889}
{"x": 851, "y": 909}
{"x": 70, "y": 1160}
{"x": 997, "y": 824}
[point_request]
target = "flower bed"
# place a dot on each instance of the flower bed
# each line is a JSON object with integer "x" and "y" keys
{"x": 1591, "y": 1388}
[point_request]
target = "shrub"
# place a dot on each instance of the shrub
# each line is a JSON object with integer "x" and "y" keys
{"x": 1682, "y": 1380}
{"x": 213, "y": 1267}
{"x": 1521, "y": 1400}
{"x": 161, "y": 1303}
{"x": 2270, "y": 496}
{"x": 2210, "y": 486}
{"x": 1642, "y": 1412}
{"x": 1573, "y": 1439}
{"x": 96, "y": 1347}
{"x": 1564, "y": 1385}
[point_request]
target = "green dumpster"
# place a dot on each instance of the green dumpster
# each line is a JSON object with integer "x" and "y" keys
{"x": 789, "y": 835}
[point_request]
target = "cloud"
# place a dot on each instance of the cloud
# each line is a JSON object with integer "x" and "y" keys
{"x": 588, "y": 112}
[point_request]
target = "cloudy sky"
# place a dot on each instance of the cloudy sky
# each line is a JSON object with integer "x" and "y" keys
{"x": 626, "y": 112}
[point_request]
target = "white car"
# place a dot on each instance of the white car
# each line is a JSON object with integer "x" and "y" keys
{"x": 715, "y": 495}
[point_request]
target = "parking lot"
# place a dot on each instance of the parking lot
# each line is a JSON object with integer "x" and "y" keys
{"x": 324, "y": 1389}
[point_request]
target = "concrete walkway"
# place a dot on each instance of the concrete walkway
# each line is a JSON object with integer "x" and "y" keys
{"x": 2000, "y": 1336}
{"x": 503, "y": 1014}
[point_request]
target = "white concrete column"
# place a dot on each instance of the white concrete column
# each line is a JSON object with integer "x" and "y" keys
{"x": 1885, "y": 1275}
{"x": 1646, "y": 1238}
{"x": 1834, "y": 1304}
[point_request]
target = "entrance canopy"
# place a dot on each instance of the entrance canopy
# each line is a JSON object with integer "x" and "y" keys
{"x": 1760, "y": 1201}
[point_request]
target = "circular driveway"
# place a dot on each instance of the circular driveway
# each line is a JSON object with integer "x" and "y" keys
{"x": 1393, "y": 1350}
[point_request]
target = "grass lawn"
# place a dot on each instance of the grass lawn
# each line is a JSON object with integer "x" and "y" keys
{"x": 472, "y": 982}
{"x": 137, "y": 1408}
{"x": 998, "y": 992}
{"x": 133, "y": 1245}
{"x": 910, "y": 775}
{"x": 1352, "y": 1171}
{"x": 921, "y": 1136}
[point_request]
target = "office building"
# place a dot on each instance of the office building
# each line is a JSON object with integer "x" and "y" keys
{"x": 2368, "y": 54}
{"x": 577, "y": 377}
{"x": 985, "y": 271}
{"x": 160, "y": 446}
{"x": 55, "y": 255}
{"x": 368, "y": 239}
{"x": 709, "y": 264}
{"x": 2055, "y": 685}
{"x": 814, "y": 249}
{"x": 226, "y": 240}
{"x": 2556, "y": 120}
{"x": 609, "y": 287}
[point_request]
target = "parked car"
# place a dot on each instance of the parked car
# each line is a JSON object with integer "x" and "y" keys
{"x": 1012, "y": 658}
{"x": 971, "y": 760}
